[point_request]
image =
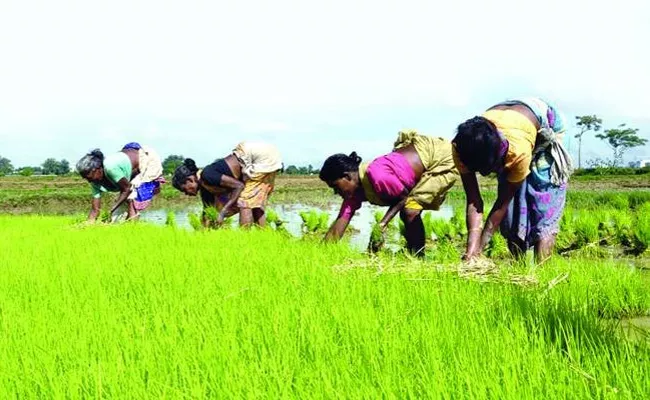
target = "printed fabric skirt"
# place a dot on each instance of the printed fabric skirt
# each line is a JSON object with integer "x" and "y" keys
{"x": 257, "y": 191}
{"x": 536, "y": 210}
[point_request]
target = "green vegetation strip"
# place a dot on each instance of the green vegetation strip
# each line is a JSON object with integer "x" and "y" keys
{"x": 141, "y": 311}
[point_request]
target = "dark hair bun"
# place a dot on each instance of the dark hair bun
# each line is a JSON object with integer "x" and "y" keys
{"x": 96, "y": 153}
{"x": 190, "y": 164}
{"x": 355, "y": 158}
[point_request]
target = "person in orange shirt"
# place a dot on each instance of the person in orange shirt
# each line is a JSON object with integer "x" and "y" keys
{"x": 519, "y": 140}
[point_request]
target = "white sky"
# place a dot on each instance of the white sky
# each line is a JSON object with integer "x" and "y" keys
{"x": 315, "y": 78}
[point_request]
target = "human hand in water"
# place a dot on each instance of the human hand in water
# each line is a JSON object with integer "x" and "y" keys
{"x": 220, "y": 219}
{"x": 377, "y": 238}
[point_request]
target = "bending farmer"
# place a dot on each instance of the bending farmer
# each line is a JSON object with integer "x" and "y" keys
{"x": 239, "y": 183}
{"x": 520, "y": 140}
{"x": 415, "y": 176}
{"x": 135, "y": 172}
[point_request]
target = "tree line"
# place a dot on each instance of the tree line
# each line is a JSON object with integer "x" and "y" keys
{"x": 50, "y": 166}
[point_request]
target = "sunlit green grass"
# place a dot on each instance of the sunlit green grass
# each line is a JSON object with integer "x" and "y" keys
{"x": 138, "y": 311}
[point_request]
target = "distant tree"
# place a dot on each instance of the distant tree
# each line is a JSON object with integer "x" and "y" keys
{"x": 171, "y": 163}
{"x": 586, "y": 123}
{"x": 5, "y": 166}
{"x": 64, "y": 167}
{"x": 620, "y": 140}
{"x": 291, "y": 170}
{"x": 50, "y": 166}
{"x": 54, "y": 167}
{"x": 25, "y": 171}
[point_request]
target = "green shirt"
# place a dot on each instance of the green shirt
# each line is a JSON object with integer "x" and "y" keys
{"x": 116, "y": 167}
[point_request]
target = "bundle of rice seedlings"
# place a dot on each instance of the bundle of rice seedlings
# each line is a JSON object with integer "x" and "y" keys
{"x": 314, "y": 221}
{"x": 195, "y": 221}
{"x": 623, "y": 223}
{"x": 586, "y": 228}
{"x": 377, "y": 239}
{"x": 498, "y": 247}
{"x": 212, "y": 214}
{"x": 171, "y": 219}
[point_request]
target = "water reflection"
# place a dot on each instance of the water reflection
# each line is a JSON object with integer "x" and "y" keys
{"x": 290, "y": 214}
{"x": 637, "y": 329}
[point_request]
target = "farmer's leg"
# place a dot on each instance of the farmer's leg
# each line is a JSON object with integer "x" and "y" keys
{"x": 413, "y": 231}
{"x": 259, "y": 216}
{"x": 544, "y": 249}
{"x": 245, "y": 217}
{"x": 131, "y": 212}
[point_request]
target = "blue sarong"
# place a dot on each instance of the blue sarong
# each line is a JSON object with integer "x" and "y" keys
{"x": 537, "y": 207}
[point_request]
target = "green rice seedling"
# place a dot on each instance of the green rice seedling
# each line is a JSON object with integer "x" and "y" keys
{"x": 442, "y": 230}
{"x": 272, "y": 216}
{"x": 377, "y": 239}
{"x": 458, "y": 220}
{"x": 642, "y": 228}
{"x": 314, "y": 221}
{"x": 323, "y": 221}
{"x": 273, "y": 219}
{"x": 638, "y": 198}
{"x": 586, "y": 228}
{"x": 211, "y": 214}
{"x": 377, "y": 215}
{"x": 606, "y": 226}
{"x": 623, "y": 222}
{"x": 619, "y": 201}
{"x": 444, "y": 252}
{"x": 392, "y": 227}
{"x": 566, "y": 237}
{"x": 498, "y": 247}
{"x": 171, "y": 219}
{"x": 105, "y": 216}
{"x": 195, "y": 221}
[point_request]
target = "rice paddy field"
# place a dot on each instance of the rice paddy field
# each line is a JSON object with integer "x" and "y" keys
{"x": 144, "y": 310}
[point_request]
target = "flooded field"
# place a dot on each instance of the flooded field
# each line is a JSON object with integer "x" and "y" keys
{"x": 360, "y": 226}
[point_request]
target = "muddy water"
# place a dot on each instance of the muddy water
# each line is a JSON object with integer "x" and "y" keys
{"x": 637, "y": 329}
{"x": 290, "y": 214}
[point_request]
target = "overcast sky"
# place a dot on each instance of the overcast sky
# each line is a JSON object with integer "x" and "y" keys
{"x": 314, "y": 77}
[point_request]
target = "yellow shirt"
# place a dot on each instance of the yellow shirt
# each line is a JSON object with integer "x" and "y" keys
{"x": 520, "y": 133}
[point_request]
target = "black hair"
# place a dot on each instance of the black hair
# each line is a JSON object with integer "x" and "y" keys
{"x": 183, "y": 172}
{"x": 478, "y": 144}
{"x": 338, "y": 165}
{"x": 90, "y": 162}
